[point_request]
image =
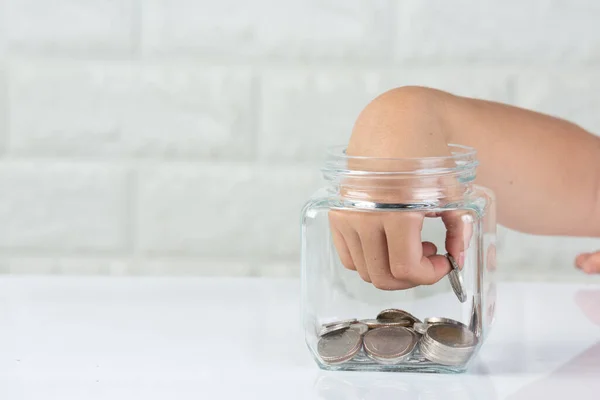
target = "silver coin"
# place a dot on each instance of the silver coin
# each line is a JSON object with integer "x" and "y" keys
{"x": 452, "y": 335}
{"x": 456, "y": 280}
{"x": 340, "y": 347}
{"x": 343, "y": 321}
{"x": 389, "y": 345}
{"x": 442, "y": 320}
{"x": 333, "y": 328}
{"x": 394, "y": 314}
{"x": 376, "y": 323}
{"x": 360, "y": 327}
{"x": 420, "y": 327}
{"x": 448, "y": 344}
{"x": 475, "y": 323}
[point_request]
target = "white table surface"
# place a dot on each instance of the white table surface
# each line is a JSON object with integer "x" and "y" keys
{"x": 225, "y": 338}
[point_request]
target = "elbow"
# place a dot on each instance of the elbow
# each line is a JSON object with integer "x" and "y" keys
{"x": 412, "y": 96}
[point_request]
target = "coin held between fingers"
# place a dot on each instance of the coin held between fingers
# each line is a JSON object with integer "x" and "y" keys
{"x": 456, "y": 280}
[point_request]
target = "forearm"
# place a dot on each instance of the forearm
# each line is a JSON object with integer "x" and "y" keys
{"x": 544, "y": 171}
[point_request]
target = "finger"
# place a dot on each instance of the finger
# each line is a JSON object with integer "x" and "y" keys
{"x": 407, "y": 260}
{"x": 439, "y": 263}
{"x": 356, "y": 251}
{"x": 459, "y": 230}
{"x": 340, "y": 219}
{"x": 429, "y": 249}
{"x": 351, "y": 242}
{"x": 342, "y": 248}
{"x": 592, "y": 264}
{"x": 403, "y": 234}
{"x": 440, "y": 266}
{"x": 375, "y": 250}
{"x": 581, "y": 259}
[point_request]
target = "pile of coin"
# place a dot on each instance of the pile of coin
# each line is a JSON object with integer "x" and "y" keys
{"x": 448, "y": 344}
{"x": 397, "y": 336}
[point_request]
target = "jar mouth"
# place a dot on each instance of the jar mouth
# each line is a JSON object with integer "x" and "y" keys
{"x": 461, "y": 158}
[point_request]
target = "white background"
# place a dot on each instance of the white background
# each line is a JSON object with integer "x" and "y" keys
{"x": 183, "y": 136}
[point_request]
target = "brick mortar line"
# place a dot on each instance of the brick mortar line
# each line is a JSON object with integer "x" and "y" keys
{"x": 138, "y": 164}
{"x": 302, "y": 63}
{"x": 7, "y": 252}
{"x": 45, "y": 256}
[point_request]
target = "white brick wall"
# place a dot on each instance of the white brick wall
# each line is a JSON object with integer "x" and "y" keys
{"x": 65, "y": 26}
{"x": 130, "y": 109}
{"x": 182, "y": 137}
{"x": 294, "y": 125}
{"x": 508, "y": 31}
{"x": 53, "y": 207}
{"x": 311, "y": 29}
{"x": 566, "y": 93}
{"x": 222, "y": 210}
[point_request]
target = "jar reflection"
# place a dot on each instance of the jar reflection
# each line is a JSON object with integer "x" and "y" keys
{"x": 359, "y": 386}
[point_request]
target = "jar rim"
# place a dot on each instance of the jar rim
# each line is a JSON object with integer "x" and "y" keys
{"x": 459, "y": 152}
{"x": 462, "y": 160}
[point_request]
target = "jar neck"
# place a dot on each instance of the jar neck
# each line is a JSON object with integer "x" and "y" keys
{"x": 401, "y": 182}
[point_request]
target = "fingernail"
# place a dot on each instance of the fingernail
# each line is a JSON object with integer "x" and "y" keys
{"x": 461, "y": 258}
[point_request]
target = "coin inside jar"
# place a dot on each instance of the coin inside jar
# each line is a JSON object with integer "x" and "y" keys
{"x": 333, "y": 328}
{"x": 456, "y": 280}
{"x": 442, "y": 320}
{"x": 340, "y": 347}
{"x": 343, "y": 321}
{"x": 452, "y": 335}
{"x": 376, "y": 323}
{"x": 360, "y": 327}
{"x": 389, "y": 345}
{"x": 394, "y": 314}
{"x": 420, "y": 327}
{"x": 448, "y": 344}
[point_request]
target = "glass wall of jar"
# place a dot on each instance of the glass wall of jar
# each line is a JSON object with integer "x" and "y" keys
{"x": 398, "y": 263}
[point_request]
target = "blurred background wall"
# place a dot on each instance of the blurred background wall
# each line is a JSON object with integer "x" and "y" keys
{"x": 183, "y": 136}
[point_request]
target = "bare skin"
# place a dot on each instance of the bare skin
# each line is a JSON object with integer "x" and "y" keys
{"x": 545, "y": 173}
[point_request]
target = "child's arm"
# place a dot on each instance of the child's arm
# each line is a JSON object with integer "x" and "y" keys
{"x": 544, "y": 171}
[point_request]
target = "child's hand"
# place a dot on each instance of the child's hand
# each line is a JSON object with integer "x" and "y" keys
{"x": 386, "y": 249}
{"x": 589, "y": 262}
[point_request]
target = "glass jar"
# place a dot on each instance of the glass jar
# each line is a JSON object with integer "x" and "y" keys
{"x": 398, "y": 260}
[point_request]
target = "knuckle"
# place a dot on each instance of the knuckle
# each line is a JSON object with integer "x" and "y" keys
{"x": 349, "y": 265}
{"x": 383, "y": 285}
{"x": 425, "y": 280}
{"x": 364, "y": 277}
